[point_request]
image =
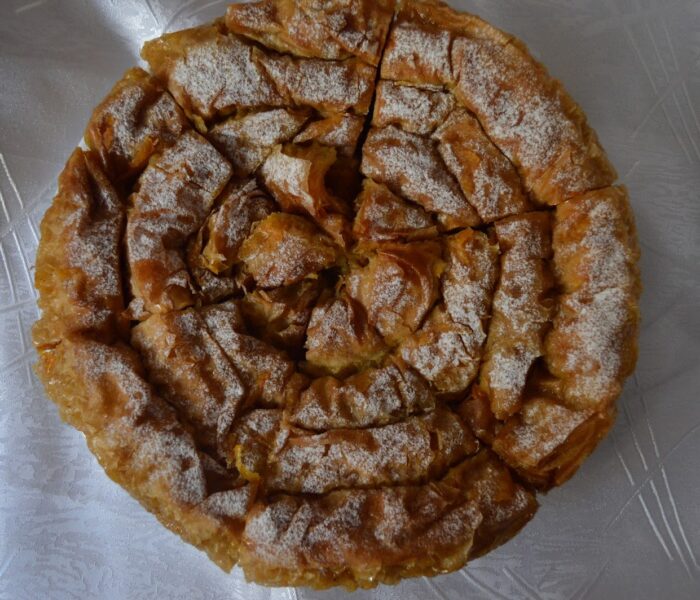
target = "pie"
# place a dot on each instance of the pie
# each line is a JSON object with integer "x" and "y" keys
{"x": 337, "y": 287}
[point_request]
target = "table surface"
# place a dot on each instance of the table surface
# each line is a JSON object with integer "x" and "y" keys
{"x": 626, "y": 526}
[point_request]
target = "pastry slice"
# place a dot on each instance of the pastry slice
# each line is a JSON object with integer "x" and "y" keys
{"x": 398, "y": 287}
{"x": 285, "y": 249}
{"x": 246, "y": 140}
{"x": 360, "y": 537}
{"x": 340, "y": 339}
{"x": 418, "y": 48}
{"x": 373, "y": 397}
{"x": 78, "y": 272}
{"x": 528, "y": 115}
{"x": 137, "y": 437}
{"x": 330, "y": 30}
{"x": 417, "y": 110}
{"x": 324, "y": 85}
{"x": 470, "y": 279}
{"x": 411, "y": 451}
{"x": 341, "y": 130}
{"x": 265, "y": 371}
{"x": 445, "y": 353}
{"x": 210, "y": 73}
{"x": 197, "y": 377}
{"x": 546, "y": 442}
{"x": 411, "y": 166}
{"x": 487, "y": 178}
{"x": 382, "y": 216}
{"x": 522, "y": 310}
{"x": 135, "y": 120}
{"x": 171, "y": 202}
{"x": 591, "y": 346}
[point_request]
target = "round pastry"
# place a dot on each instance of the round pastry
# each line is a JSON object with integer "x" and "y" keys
{"x": 337, "y": 287}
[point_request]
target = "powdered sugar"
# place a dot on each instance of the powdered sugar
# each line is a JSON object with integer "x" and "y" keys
{"x": 370, "y": 398}
{"x": 136, "y": 119}
{"x": 443, "y": 352}
{"x": 412, "y": 167}
{"x": 211, "y": 72}
{"x": 469, "y": 281}
{"x": 396, "y": 453}
{"x": 417, "y": 55}
{"x": 246, "y": 141}
{"x": 593, "y": 243}
{"x": 416, "y": 110}
{"x": 533, "y": 122}
{"x": 328, "y": 86}
{"x": 589, "y": 345}
{"x": 487, "y": 178}
{"x": 339, "y": 338}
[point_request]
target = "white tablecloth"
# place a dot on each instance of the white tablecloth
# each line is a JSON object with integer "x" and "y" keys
{"x": 628, "y": 524}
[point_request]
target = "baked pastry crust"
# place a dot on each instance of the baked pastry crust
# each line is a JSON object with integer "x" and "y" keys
{"x": 333, "y": 344}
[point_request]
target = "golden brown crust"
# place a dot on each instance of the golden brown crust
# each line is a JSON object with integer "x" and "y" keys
{"x": 445, "y": 353}
{"x": 365, "y": 537}
{"x": 375, "y": 396}
{"x": 297, "y": 178}
{"x": 487, "y": 178}
{"x": 78, "y": 273}
{"x": 137, "y": 119}
{"x": 524, "y": 111}
{"x": 412, "y": 167}
{"x": 546, "y": 442}
{"x": 385, "y": 217}
{"x": 340, "y": 338}
{"x": 416, "y": 449}
{"x": 398, "y": 287}
{"x": 331, "y": 30}
{"x": 593, "y": 343}
{"x": 138, "y": 440}
{"x": 522, "y": 310}
{"x": 284, "y": 249}
{"x": 417, "y": 110}
{"x": 423, "y": 334}
{"x": 172, "y": 200}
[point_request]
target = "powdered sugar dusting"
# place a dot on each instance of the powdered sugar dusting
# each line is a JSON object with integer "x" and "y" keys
{"x": 589, "y": 345}
{"x": 373, "y": 397}
{"x": 247, "y": 140}
{"x": 416, "y": 110}
{"x": 173, "y": 198}
{"x": 533, "y": 123}
{"x": 520, "y": 310}
{"x": 265, "y": 370}
{"x": 339, "y": 337}
{"x": 470, "y": 279}
{"x": 396, "y": 453}
{"x": 412, "y": 167}
{"x": 543, "y": 428}
{"x": 327, "y": 86}
{"x": 417, "y": 55}
{"x": 212, "y": 72}
{"x": 447, "y": 354}
{"x": 487, "y": 177}
{"x": 189, "y": 365}
{"x": 593, "y": 243}
{"x": 132, "y": 122}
